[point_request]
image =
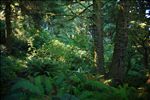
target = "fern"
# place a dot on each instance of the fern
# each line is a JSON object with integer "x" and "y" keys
{"x": 35, "y": 89}
{"x": 96, "y": 85}
{"x": 85, "y": 95}
{"x": 47, "y": 82}
{"x": 38, "y": 83}
{"x": 26, "y": 85}
{"x": 123, "y": 92}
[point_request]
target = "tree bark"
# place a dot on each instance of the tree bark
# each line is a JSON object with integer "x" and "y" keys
{"x": 146, "y": 56}
{"x": 98, "y": 36}
{"x": 8, "y": 24}
{"x": 117, "y": 68}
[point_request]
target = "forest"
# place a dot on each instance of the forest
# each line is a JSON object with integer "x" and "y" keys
{"x": 75, "y": 49}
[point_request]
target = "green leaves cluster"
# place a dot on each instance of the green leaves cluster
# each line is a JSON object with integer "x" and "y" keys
{"x": 35, "y": 88}
{"x": 75, "y": 87}
{"x": 62, "y": 55}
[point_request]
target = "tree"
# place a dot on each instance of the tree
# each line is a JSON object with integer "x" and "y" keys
{"x": 8, "y": 24}
{"x": 98, "y": 35}
{"x": 117, "y": 68}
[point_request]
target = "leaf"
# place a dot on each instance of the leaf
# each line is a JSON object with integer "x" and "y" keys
{"x": 26, "y": 85}
{"x": 96, "y": 85}
{"x": 47, "y": 82}
{"x": 85, "y": 95}
{"x": 38, "y": 83}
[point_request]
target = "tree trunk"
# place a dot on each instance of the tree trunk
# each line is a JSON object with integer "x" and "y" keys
{"x": 98, "y": 36}
{"x": 117, "y": 68}
{"x": 146, "y": 57}
{"x": 8, "y": 24}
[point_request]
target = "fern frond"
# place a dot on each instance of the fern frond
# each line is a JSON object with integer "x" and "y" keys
{"x": 47, "y": 82}
{"x": 26, "y": 85}
{"x": 38, "y": 83}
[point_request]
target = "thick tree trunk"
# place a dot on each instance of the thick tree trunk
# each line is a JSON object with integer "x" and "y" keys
{"x": 117, "y": 67}
{"x": 98, "y": 36}
{"x": 8, "y": 24}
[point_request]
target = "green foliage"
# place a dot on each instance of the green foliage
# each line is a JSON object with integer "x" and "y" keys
{"x": 71, "y": 85}
{"x": 86, "y": 89}
{"x": 68, "y": 56}
{"x": 82, "y": 41}
{"x": 39, "y": 66}
{"x": 134, "y": 76}
{"x": 127, "y": 93}
{"x": 34, "y": 88}
{"x": 9, "y": 67}
{"x": 109, "y": 28}
{"x": 108, "y": 51}
{"x": 109, "y": 16}
{"x": 38, "y": 38}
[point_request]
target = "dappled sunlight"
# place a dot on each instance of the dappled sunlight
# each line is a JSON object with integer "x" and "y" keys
{"x": 2, "y": 15}
{"x": 140, "y": 24}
